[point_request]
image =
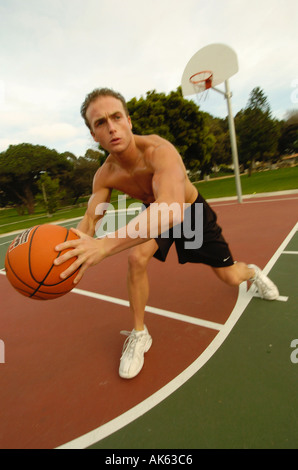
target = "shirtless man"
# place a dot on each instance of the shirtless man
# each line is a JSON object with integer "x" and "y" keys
{"x": 150, "y": 169}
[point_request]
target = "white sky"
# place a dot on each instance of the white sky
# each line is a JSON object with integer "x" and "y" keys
{"x": 54, "y": 52}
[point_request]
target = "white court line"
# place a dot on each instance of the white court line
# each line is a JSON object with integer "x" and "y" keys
{"x": 289, "y": 192}
{"x": 157, "y": 311}
{"x": 233, "y": 203}
{"x": 215, "y": 202}
{"x": 280, "y": 250}
{"x": 5, "y": 243}
{"x": 290, "y": 252}
{"x": 280, "y": 298}
{"x": 114, "y": 425}
{"x": 244, "y": 297}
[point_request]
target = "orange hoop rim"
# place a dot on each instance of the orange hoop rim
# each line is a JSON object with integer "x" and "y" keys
{"x": 206, "y": 79}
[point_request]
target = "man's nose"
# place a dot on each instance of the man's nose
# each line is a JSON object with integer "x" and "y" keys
{"x": 111, "y": 126}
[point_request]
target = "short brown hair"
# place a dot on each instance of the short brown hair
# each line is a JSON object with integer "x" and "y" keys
{"x": 96, "y": 94}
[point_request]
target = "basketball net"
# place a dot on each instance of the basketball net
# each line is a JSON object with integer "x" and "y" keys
{"x": 201, "y": 82}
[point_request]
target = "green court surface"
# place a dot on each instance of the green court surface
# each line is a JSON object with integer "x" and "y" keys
{"x": 245, "y": 396}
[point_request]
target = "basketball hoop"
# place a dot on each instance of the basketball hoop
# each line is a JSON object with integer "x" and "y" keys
{"x": 201, "y": 82}
{"x": 207, "y": 59}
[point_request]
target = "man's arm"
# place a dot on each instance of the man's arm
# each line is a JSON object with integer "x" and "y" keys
{"x": 168, "y": 187}
{"x": 95, "y": 211}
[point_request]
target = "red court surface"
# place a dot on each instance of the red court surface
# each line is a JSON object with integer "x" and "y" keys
{"x": 60, "y": 376}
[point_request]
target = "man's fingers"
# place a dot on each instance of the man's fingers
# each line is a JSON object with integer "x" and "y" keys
{"x": 65, "y": 257}
{"x": 67, "y": 245}
{"x": 80, "y": 274}
{"x": 74, "y": 267}
{"x": 85, "y": 250}
{"x": 77, "y": 232}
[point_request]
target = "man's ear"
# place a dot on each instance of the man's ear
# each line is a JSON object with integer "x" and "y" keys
{"x": 129, "y": 120}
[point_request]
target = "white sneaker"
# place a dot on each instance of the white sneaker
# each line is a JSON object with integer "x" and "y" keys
{"x": 134, "y": 348}
{"x": 266, "y": 288}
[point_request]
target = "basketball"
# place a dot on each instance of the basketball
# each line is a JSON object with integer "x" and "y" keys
{"x": 29, "y": 262}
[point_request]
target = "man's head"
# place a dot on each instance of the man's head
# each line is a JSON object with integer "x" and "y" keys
{"x": 106, "y": 115}
{"x": 97, "y": 93}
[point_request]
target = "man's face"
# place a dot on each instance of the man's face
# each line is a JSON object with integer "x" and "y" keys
{"x": 110, "y": 126}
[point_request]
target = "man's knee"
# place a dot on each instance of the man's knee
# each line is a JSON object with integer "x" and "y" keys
{"x": 140, "y": 256}
{"x": 136, "y": 261}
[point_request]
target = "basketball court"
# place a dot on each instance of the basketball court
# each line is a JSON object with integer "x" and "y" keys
{"x": 219, "y": 373}
{"x": 222, "y": 371}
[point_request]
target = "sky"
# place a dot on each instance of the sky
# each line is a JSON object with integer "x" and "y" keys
{"x": 54, "y": 52}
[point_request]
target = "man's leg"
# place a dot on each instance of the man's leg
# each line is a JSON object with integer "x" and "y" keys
{"x": 239, "y": 272}
{"x": 236, "y": 274}
{"x": 139, "y": 340}
{"x": 137, "y": 280}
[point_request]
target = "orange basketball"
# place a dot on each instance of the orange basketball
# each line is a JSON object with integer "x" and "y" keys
{"x": 29, "y": 262}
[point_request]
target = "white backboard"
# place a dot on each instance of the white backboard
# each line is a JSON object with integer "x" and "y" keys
{"x": 220, "y": 59}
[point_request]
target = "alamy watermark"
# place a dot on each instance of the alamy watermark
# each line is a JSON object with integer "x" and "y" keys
{"x": 294, "y": 354}
{"x": 2, "y": 352}
{"x": 165, "y": 220}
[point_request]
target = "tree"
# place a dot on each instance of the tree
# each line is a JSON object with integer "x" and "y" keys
{"x": 288, "y": 142}
{"x": 258, "y": 101}
{"x": 51, "y": 194}
{"x": 221, "y": 152}
{"x": 20, "y": 169}
{"x": 177, "y": 120}
{"x": 257, "y": 132}
{"x": 84, "y": 169}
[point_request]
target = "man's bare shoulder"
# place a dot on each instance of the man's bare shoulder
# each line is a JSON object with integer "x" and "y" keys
{"x": 150, "y": 141}
{"x": 157, "y": 150}
{"x": 153, "y": 145}
{"x": 103, "y": 174}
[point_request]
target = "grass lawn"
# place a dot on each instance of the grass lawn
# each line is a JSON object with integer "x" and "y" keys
{"x": 10, "y": 220}
{"x": 261, "y": 182}
{"x": 266, "y": 181}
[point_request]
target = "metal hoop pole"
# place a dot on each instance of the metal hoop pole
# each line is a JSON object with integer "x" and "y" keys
{"x": 228, "y": 96}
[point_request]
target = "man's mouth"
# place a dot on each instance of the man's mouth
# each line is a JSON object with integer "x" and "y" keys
{"x": 116, "y": 140}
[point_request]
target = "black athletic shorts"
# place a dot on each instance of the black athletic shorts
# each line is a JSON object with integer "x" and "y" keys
{"x": 214, "y": 250}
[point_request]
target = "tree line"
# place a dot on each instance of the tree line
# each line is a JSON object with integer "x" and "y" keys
{"x": 33, "y": 173}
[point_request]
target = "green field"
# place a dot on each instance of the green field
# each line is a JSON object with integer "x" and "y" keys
{"x": 260, "y": 182}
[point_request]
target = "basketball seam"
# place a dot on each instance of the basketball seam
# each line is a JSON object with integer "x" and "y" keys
{"x": 41, "y": 283}
{"x": 65, "y": 279}
{"x": 29, "y": 252}
{"x": 14, "y": 273}
{"x": 37, "y": 291}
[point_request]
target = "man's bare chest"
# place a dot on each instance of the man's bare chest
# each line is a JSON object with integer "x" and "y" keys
{"x": 136, "y": 183}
